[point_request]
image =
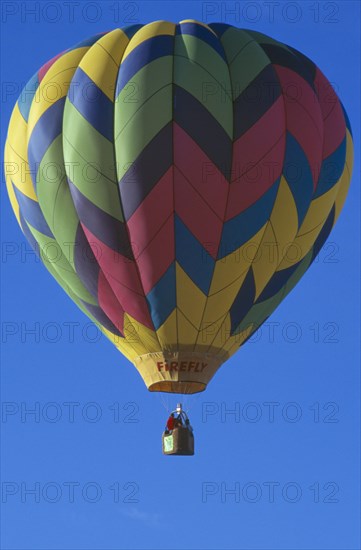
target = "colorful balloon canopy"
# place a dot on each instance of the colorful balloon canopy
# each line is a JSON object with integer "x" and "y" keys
{"x": 177, "y": 181}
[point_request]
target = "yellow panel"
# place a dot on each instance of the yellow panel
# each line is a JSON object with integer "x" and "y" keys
{"x": 280, "y": 232}
{"x": 308, "y": 234}
{"x": 54, "y": 85}
{"x": 142, "y": 339}
{"x": 209, "y": 332}
{"x": 319, "y": 210}
{"x": 101, "y": 62}
{"x": 156, "y": 28}
{"x": 17, "y": 133}
{"x": 225, "y": 341}
{"x": 167, "y": 333}
{"x": 345, "y": 177}
{"x": 219, "y": 304}
{"x": 187, "y": 333}
{"x": 18, "y": 170}
{"x": 235, "y": 265}
{"x": 223, "y": 333}
{"x": 284, "y": 217}
{"x": 267, "y": 260}
{"x": 300, "y": 248}
{"x": 120, "y": 343}
{"x": 9, "y": 186}
{"x": 16, "y": 159}
{"x": 190, "y": 299}
{"x": 234, "y": 342}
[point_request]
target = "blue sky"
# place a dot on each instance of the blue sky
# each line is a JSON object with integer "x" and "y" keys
{"x": 91, "y": 451}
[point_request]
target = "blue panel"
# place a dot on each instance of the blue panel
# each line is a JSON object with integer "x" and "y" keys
{"x": 347, "y": 120}
{"x": 27, "y": 95}
{"x": 93, "y": 104}
{"x": 112, "y": 232}
{"x": 147, "y": 51}
{"x": 130, "y": 30}
{"x": 192, "y": 257}
{"x": 32, "y": 213}
{"x": 243, "y": 301}
{"x": 331, "y": 169}
{"x": 162, "y": 297}
{"x": 48, "y": 127}
{"x": 298, "y": 175}
{"x": 324, "y": 233}
{"x": 219, "y": 28}
{"x": 277, "y": 282}
{"x": 202, "y": 33}
{"x": 28, "y": 234}
{"x": 243, "y": 227}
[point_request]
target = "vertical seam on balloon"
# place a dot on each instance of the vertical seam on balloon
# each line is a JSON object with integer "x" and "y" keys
{"x": 95, "y": 256}
{"x": 268, "y": 221}
{"x": 229, "y": 186}
{"x": 124, "y": 339}
{"x": 58, "y": 271}
{"x": 96, "y": 297}
{"x": 323, "y": 134}
{"x": 80, "y": 223}
{"x": 122, "y": 210}
{"x": 285, "y": 113}
{"x": 127, "y": 229}
{"x": 228, "y": 192}
{"x": 173, "y": 173}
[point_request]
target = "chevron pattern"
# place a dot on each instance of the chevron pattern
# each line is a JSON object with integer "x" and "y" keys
{"x": 186, "y": 175}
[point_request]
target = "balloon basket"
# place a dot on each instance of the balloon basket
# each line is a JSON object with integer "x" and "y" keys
{"x": 179, "y": 441}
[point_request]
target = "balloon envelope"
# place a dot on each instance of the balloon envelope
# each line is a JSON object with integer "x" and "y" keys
{"x": 177, "y": 181}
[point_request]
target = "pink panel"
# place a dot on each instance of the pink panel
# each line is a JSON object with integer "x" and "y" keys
{"x": 196, "y": 214}
{"x": 200, "y": 171}
{"x": 154, "y": 261}
{"x": 333, "y": 119}
{"x": 151, "y": 214}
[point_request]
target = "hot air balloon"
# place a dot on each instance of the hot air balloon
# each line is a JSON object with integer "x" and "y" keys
{"x": 186, "y": 175}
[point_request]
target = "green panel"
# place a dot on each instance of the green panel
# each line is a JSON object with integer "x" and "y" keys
{"x": 233, "y": 41}
{"x": 55, "y": 199}
{"x": 52, "y": 253}
{"x": 61, "y": 282}
{"x": 82, "y": 146}
{"x": 264, "y": 39}
{"x": 156, "y": 113}
{"x": 298, "y": 274}
{"x": 88, "y": 142}
{"x": 143, "y": 85}
{"x": 259, "y": 312}
{"x": 204, "y": 74}
{"x": 246, "y": 59}
{"x": 49, "y": 266}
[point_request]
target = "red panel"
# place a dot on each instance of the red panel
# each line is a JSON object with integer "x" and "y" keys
{"x": 303, "y": 117}
{"x": 196, "y": 214}
{"x": 200, "y": 171}
{"x": 333, "y": 119}
{"x": 151, "y": 214}
{"x": 253, "y": 184}
{"x": 157, "y": 257}
{"x": 123, "y": 278}
{"x": 108, "y": 302}
{"x": 250, "y": 149}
